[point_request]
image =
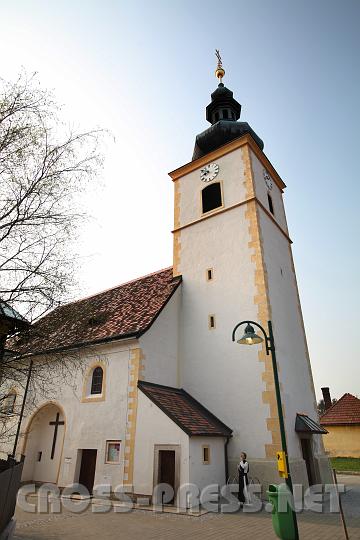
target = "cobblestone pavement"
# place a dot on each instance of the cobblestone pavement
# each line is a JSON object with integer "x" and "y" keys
{"x": 148, "y": 525}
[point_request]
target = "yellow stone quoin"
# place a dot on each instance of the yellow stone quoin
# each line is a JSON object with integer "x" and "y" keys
{"x": 136, "y": 372}
{"x": 176, "y": 239}
{"x": 261, "y": 300}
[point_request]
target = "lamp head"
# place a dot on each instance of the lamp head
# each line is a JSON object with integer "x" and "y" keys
{"x": 250, "y": 337}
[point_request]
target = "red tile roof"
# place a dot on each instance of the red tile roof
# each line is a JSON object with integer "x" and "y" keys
{"x": 124, "y": 311}
{"x": 344, "y": 411}
{"x": 184, "y": 410}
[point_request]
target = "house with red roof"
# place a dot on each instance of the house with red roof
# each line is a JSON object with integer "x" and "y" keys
{"x": 342, "y": 421}
{"x": 152, "y": 386}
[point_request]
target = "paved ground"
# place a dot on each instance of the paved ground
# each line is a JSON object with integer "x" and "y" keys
{"x": 351, "y": 498}
{"x": 147, "y": 525}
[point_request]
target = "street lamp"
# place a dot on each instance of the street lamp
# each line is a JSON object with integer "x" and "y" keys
{"x": 251, "y": 338}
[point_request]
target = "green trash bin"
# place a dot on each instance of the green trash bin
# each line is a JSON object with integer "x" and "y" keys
{"x": 282, "y": 518}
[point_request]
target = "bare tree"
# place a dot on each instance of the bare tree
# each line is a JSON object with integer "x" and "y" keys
{"x": 50, "y": 372}
{"x": 321, "y": 406}
{"x": 43, "y": 169}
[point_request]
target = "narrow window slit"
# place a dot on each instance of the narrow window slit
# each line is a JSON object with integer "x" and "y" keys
{"x": 206, "y": 455}
{"x": 271, "y": 206}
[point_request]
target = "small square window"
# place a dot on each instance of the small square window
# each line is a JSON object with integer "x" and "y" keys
{"x": 112, "y": 452}
{"x": 212, "y": 321}
{"x": 209, "y": 274}
{"x": 206, "y": 455}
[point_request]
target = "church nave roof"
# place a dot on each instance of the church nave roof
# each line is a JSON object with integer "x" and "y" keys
{"x": 127, "y": 310}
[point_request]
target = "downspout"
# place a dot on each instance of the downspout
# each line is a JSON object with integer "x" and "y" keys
{"x": 22, "y": 409}
{"x": 226, "y": 459}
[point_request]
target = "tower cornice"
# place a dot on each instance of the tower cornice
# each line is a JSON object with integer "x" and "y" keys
{"x": 229, "y": 208}
{"x": 226, "y": 149}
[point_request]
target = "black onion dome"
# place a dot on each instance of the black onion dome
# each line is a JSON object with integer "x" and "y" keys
{"x": 223, "y": 113}
{"x": 221, "y": 91}
{"x": 222, "y": 106}
{"x": 221, "y": 133}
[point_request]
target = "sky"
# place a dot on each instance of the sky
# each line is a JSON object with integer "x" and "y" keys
{"x": 144, "y": 70}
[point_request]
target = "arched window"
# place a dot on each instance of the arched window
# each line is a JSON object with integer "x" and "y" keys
{"x": 97, "y": 380}
{"x": 211, "y": 197}
{"x": 8, "y": 404}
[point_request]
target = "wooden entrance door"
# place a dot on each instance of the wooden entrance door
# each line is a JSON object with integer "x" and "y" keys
{"x": 87, "y": 469}
{"x": 308, "y": 458}
{"x": 167, "y": 468}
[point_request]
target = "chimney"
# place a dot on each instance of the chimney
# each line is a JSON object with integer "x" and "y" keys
{"x": 326, "y": 396}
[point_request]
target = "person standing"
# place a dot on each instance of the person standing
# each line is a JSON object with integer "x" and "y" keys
{"x": 243, "y": 469}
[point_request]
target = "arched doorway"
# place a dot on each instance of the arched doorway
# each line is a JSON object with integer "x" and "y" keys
{"x": 43, "y": 445}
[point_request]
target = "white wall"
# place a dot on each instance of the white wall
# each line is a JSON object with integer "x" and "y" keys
{"x": 40, "y": 439}
{"x": 160, "y": 345}
{"x": 295, "y": 374}
{"x": 230, "y": 174}
{"x": 154, "y": 427}
{"x": 224, "y": 376}
{"x": 91, "y": 424}
{"x": 261, "y": 191}
{"x": 212, "y": 473}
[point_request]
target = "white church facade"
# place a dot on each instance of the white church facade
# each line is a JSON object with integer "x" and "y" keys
{"x": 165, "y": 395}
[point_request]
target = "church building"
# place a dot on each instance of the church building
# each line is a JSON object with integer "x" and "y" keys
{"x": 166, "y": 396}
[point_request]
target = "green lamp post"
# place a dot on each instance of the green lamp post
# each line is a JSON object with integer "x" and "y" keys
{"x": 251, "y": 338}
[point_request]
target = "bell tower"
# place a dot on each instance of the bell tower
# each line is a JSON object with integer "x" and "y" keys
{"x": 233, "y": 250}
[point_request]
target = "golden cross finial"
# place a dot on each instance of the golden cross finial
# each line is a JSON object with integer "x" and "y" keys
{"x": 218, "y": 56}
{"x": 220, "y": 71}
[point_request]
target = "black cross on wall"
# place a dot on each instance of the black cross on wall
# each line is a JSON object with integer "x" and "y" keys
{"x": 56, "y": 423}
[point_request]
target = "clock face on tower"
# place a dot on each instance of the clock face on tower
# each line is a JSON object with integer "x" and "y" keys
{"x": 268, "y": 179}
{"x": 209, "y": 172}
